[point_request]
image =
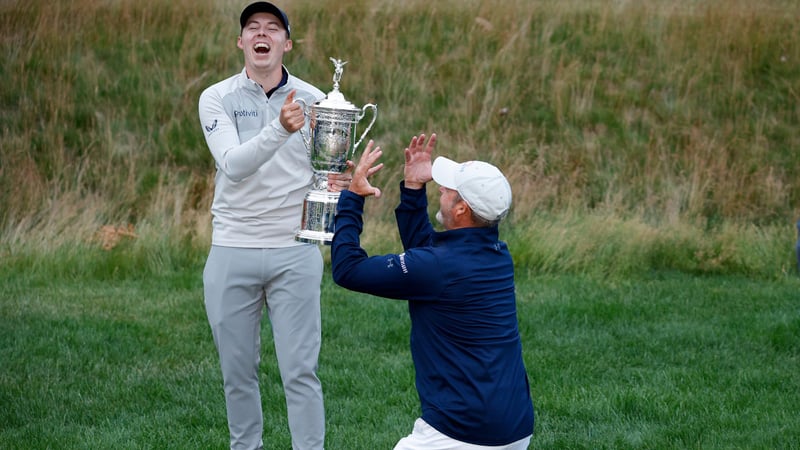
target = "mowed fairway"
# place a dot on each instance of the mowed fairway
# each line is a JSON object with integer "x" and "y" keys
{"x": 668, "y": 361}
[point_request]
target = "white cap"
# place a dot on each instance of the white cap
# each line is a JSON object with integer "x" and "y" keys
{"x": 480, "y": 184}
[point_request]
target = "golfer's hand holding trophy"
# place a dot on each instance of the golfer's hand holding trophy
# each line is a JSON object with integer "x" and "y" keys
{"x": 330, "y": 145}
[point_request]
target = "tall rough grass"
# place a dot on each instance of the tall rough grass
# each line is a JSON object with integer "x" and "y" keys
{"x": 637, "y": 135}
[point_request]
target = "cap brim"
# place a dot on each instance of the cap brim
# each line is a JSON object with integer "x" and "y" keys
{"x": 443, "y": 172}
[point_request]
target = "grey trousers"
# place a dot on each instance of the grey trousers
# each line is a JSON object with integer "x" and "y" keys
{"x": 238, "y": 283}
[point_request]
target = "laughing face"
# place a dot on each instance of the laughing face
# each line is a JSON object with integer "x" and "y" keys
{"x": 264, "y": 41}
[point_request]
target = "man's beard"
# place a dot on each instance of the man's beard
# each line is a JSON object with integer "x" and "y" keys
{"x": 439, "y": 217}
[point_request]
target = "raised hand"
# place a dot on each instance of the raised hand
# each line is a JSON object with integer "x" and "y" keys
{"x": 292, "y": 117}
{"x": 417, "y": 170}
{"x": 365, "y": 169}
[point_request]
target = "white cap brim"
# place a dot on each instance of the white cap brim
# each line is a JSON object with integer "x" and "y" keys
{"x": 443, "y": 172}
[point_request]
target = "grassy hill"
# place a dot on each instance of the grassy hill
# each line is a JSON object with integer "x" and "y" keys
{"x": 637, "y": 135}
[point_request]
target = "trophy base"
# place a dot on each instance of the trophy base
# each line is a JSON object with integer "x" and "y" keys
{"x": 314, "y": 237}
{"x": 319, "y": 211}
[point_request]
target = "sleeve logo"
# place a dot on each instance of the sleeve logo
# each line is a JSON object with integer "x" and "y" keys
{"x": 403, "y": 262}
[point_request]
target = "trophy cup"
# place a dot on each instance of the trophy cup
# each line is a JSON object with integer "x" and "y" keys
{"x": 330, "y": 144}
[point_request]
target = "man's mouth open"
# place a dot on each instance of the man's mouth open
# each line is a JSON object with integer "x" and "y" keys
{"x": 261, "y": 48}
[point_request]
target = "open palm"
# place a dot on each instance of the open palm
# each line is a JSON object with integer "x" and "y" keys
{"x": 366, "y": 168}
{"x": 417, "y": 170}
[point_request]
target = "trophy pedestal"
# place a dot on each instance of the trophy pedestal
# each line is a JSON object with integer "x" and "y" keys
{"x": 319, "y": 211}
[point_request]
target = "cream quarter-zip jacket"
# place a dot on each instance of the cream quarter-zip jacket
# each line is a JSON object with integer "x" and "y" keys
{"x": 263, "y": 171}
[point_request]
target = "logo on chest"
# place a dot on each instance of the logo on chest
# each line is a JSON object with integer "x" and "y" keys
{"x": 242, "y": 113}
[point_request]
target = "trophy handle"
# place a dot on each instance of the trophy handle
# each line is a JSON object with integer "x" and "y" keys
{"x": 306, "y": 138}
{"x": 374, "y": 109}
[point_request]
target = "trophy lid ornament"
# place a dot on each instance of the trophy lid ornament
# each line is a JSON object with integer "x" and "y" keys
{"x": 335, "y": 99}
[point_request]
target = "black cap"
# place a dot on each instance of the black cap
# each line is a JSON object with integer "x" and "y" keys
{"x": 265, "y": 7}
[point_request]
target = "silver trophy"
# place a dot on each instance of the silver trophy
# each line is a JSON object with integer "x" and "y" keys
{"x": 330, "y": 144}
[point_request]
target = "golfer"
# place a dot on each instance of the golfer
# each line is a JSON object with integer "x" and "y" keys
{"x": 459, "y": 284}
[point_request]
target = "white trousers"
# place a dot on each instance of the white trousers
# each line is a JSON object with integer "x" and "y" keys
{"x": 238, "y": 283}
{"x": 425, "y": 437}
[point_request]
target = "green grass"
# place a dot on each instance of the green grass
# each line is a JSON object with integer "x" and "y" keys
{"x": 101, "y": 364}
{"x": 666, "y": 361}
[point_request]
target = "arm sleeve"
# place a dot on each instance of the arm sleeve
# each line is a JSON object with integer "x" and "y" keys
{"x": 412, "y": 218}
{"x": 413, "y": 275}
{"x": 235, "y": 159}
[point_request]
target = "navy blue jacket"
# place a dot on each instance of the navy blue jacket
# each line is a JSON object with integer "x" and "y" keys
{"x": 465, "y": 341}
